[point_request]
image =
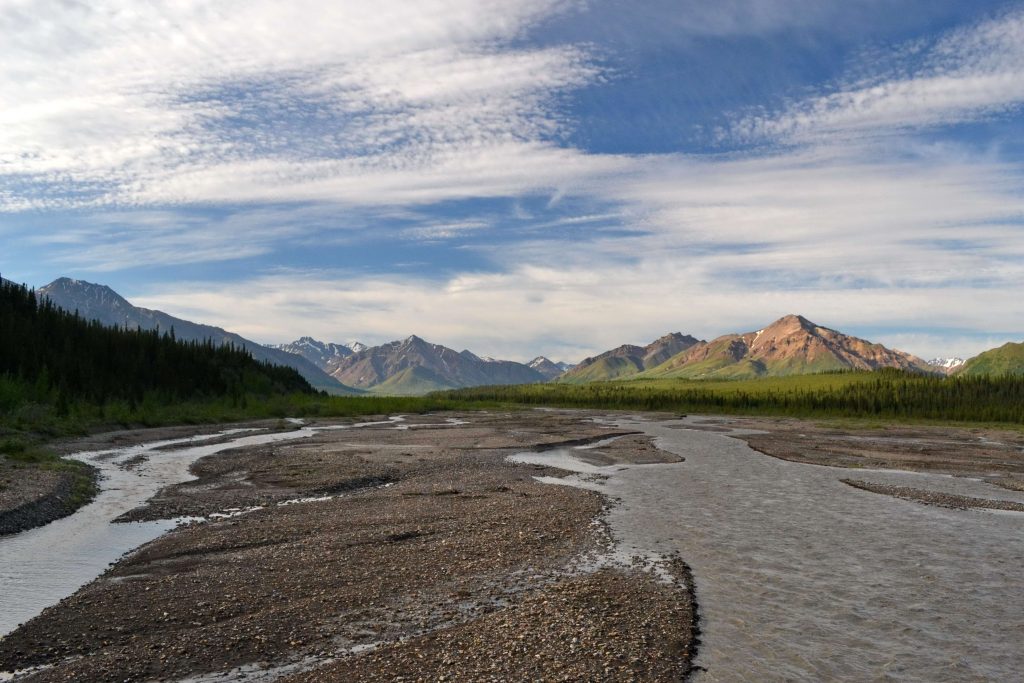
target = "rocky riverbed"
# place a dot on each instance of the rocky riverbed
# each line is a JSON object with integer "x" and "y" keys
{"x": 405, "y": 546}
{"x": 413, "y": 549}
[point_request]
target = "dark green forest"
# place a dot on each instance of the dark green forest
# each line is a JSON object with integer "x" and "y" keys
{"x": 55, "y": 362}
{"x": 883, "y": 394}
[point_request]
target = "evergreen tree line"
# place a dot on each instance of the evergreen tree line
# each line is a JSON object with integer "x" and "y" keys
{"x": 49, "y": 355}
{"x": 891, "y": 394}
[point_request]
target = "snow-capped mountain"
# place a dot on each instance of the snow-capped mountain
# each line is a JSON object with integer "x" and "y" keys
{"x": 321, "y": 354}
{"x": 548, "y": 367}
{"x": 946, "y": 363}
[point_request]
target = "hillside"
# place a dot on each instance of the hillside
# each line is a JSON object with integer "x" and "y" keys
{"x": 792, "y": 345}
{"x": 383, "y": 369}
{"x": 628, "y": 360}
{"x": 1007, "y": 359}
{"x": 103, "y": 304}
{"x": 51, "y": 357}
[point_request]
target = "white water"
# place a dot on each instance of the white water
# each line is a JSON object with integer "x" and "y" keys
{"x": 41, "y": 566}
{"x": 800, "y": 577}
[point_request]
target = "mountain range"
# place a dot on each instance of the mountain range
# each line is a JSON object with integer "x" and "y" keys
{"x": 410, "y": 366}
{"x": 320, "y": 354}
{"x": 101, "y": 303}
{"x": 789, "y": 346}
{"x": 416, "y": 366}
{"x": 628, "y": 360}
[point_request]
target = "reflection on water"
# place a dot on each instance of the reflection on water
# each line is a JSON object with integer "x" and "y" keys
{"x": 802, "y": 578}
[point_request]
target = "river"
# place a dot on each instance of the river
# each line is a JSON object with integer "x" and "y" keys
{"x": 41, "y": 566}
{"x": 800, "y": 577}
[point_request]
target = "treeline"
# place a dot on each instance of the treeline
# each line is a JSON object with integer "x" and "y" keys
{"x": 887, "y": 394}
{"x": 50, "y": 357}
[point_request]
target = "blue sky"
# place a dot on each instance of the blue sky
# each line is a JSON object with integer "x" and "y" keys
{"x": 524, "y": 177}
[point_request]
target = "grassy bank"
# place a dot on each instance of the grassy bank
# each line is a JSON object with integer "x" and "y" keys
{"x": 72, "y": 484}
{"x": 885, "y": 395}
{"x": 45, "y": 420}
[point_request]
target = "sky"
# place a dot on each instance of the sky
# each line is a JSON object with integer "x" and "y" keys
{"x": 524, "y": 177}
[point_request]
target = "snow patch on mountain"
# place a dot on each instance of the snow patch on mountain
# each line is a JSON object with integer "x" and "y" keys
{"x": 946, "y": 363}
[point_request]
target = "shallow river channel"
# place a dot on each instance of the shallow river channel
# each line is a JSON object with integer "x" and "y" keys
{"x": 41, "y": 566}
{"x": 800, "y": 577}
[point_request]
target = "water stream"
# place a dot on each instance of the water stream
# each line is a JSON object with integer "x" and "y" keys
{"x": 41, "y": 566}
{"x": 800, "y": 577}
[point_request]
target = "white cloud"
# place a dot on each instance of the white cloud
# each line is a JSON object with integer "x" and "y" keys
{"x": 967, "y": 74}
{"x": 378, "y": 108}
{"x": 121, "y": 103}
{"x": 570, "y": 312}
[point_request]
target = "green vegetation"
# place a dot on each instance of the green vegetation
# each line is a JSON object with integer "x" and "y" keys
{"x": 1008, "y": 359}
{"x": 44, "y": 420}
{"x": 883, "y": 394}
{"x": 611, "y": 367}
{"x": 19, "y": 453}
{"x": 724, "y": 361}
{"x": 412, "y": 381}
{"x": 50, "y": 356}
{"x": 61, "y": 375}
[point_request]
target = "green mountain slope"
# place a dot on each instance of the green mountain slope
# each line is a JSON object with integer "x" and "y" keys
{"x": 628, "y": 360}
{"x": 612, "y": 367}
{"x": 1008, "y": 359}
{"x": 415, "y": 380}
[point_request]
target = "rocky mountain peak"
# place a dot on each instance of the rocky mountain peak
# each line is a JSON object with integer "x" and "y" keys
{"x": 414, "y": 365}
{"x": 82, "y": 290}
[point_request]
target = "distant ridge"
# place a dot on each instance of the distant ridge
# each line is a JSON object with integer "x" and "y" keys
{"x": 946, "y": 366}
{"x": 628, "y": 360}
{"x": 415, "y": 366}
{"x": 549, "y": 368}
{"x": 789, "y": 346}
{"x": 320, "y": 354}
{"x": 1007, "y": 359}
{"x": 99, "y": 302}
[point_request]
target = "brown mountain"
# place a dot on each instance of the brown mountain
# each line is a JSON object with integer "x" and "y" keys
{"x": 415, "y": 366}
{"x": 792, "y": 345}
{"x": 628, "y": 360}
